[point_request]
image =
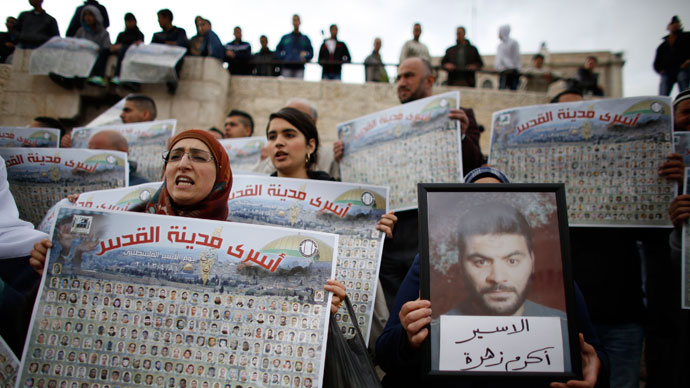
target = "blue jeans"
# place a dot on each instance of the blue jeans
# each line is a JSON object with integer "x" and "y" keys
{"x": 509, "y": 79}
{"x": 335, "y": 76}
{"x": 623, "y": 344}
{"x": 668, "y": 79}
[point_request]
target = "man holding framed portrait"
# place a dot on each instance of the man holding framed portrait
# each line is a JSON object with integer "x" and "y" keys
{"x": 529, "y": 288}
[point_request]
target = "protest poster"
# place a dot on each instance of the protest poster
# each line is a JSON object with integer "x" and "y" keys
{"x": 292, "y": 203}
{"x": 349, "y": 210}
{"x": 681, "y": 145}
{"x": 14, "y": 137}
{"x": 494, "y": 261}
{"x": 685, "y": 267}
{"x": 607, "y": 152}
{"x": 131, "y": 299}
{"x": 402, "y": 146}
{"x": 40, "y": 177}
{"x": 122, "y": 199}
{"x": 68, "y": 57}
{"x": 147, "y": 142}
{"x": 110, "y": 117}
{"x": 9, "y": 364}
{"x": 151, "y": 63}
{"x": 244, "y": 152}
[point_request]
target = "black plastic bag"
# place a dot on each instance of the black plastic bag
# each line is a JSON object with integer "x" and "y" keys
{"x": 348, "y": 364}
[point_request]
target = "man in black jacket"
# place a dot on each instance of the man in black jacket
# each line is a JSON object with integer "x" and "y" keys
{"x": 238, "y": 54}
{"x": 672, "y": 60}
{"x": 171, "y": 35}
{"x": 131, "y": 35}
{"x": 35, "y": 27}
{"x": 461, "y": 61}
{"x": 332, "y": 55}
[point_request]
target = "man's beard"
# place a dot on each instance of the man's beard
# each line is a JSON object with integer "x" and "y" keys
{"x": 414, "y": 95}
{"x": 480, "y": 306}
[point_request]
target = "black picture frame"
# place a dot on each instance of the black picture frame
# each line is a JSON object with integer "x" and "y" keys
{"x": 441, "y": 207}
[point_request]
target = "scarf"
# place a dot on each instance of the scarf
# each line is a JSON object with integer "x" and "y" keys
{"x": 215, "y": 205}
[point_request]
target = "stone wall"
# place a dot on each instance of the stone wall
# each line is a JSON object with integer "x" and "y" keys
{"x": 206, "y": 93}
{"x": 198, "y": 103}
{"x": 24, "y": 96}
{"x": 338, "y": 102}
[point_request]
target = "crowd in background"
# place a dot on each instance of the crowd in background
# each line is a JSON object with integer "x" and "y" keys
{"x": 294, "y": 49}
{"x": 621, "y": 335}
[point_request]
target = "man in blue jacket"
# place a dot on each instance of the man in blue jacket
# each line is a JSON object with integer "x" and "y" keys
{"x": 294, "y": 50}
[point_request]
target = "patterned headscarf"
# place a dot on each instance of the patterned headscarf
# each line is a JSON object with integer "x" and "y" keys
{"x": 215, "y": 205}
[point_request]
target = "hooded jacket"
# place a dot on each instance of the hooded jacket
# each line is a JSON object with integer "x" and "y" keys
{"x": 98, "y": 34}
{"x": 508, "y": 52}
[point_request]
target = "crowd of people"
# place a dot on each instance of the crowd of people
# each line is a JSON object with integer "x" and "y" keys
{"x": 295, "y": 49}
{"x": 198, "y": 180}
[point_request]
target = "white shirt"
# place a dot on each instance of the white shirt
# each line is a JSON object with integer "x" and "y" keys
{"x": 17, "y": 237}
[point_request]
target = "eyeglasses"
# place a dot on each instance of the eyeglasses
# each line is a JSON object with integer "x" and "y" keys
{"x": 195, "y": 155}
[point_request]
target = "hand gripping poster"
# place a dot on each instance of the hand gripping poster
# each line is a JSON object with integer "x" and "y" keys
{"x": 40, "y": 177}
{"x": 607, "y": 152}
{"x": 151, "y": 63}
{"x": 68, "y": 57}
{"x": 402, "y": 146}
{"x": 130, "y": 299}
{"x": 147, "y": 141}
{"x": 29, "y": 137}
{"x": 349, "y": 210}
{"x": 244, "y": 152}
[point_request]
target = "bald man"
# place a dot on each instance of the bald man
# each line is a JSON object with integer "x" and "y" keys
{"x": 415, "y": 81}
{"x": 113, "y": 140}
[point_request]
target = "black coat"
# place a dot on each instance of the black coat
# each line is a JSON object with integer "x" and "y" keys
{"x": 669, "y": 58}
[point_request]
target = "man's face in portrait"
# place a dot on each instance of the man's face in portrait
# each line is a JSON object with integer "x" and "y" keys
{"x": 498, "y": 271}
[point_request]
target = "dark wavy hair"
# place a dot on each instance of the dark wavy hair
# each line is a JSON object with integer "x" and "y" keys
{"x": 492, "y": 218}
{"x": 304, "y": 124}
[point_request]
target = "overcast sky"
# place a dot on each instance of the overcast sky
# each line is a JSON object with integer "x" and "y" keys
{"x": 633, "y": 27}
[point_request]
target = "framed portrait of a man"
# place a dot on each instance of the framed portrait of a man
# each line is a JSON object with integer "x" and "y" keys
{"x": 495, "y": 266}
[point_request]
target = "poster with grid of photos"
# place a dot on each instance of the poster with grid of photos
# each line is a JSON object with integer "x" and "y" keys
{"x": 132, "y": 299}
{"x": 349, "y": 210}
{"x": 40, "y": 177}
{"x": 147, "y": 142}
{"x": 402, "y": 146}
{"x": 293, "y": 203}
{"x": 607, "y": 152}
{"x": 9, "y": 363}
{"x": 244, "y": 152}
{"x": 29, "y": 137}
{"x": 68, "y": 57}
